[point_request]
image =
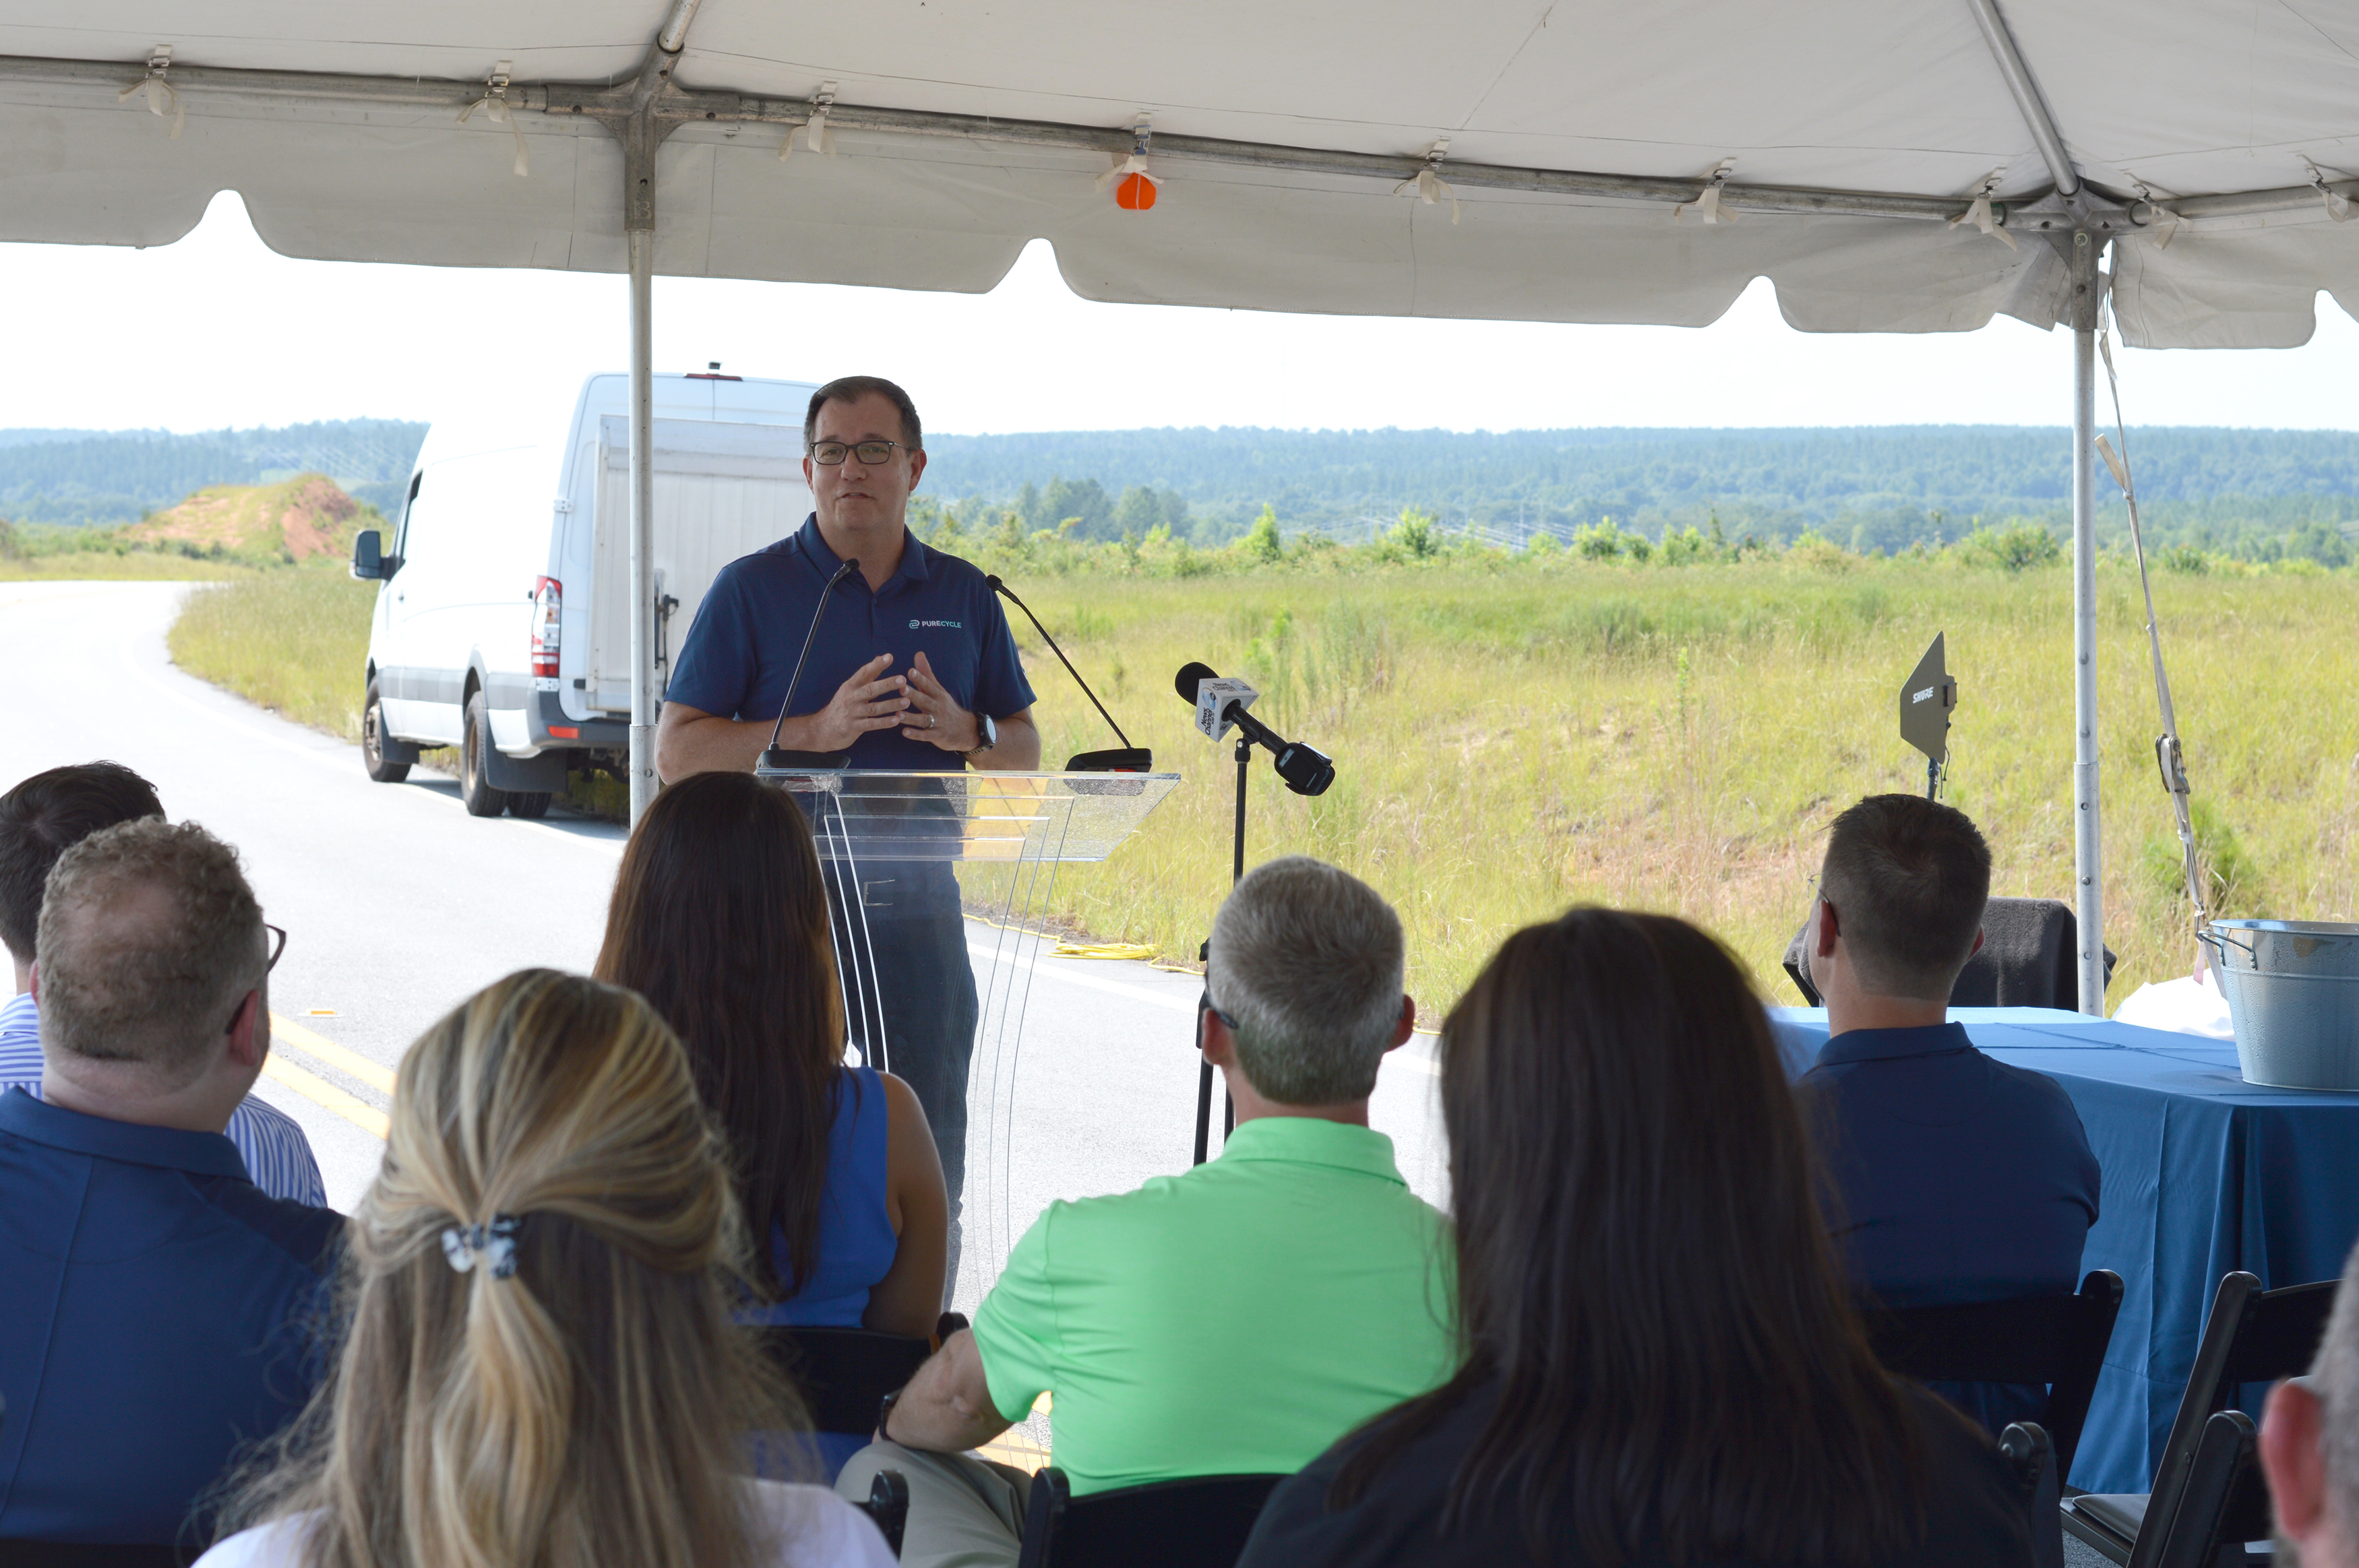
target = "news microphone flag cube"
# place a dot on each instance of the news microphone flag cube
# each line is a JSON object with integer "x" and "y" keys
{"x": 1213, "y": 699}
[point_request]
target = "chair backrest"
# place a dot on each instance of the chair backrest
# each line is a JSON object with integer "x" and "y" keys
{"x": 91, "y": 1554}
{"x": 1199, "y": 1523}
{"x": 2058, "y": 1341}
{"x": 2028, "y": 958}
{"x": 2252, "y": 1336}
{"x": 844, "y": 1373}
{"x": 2224, "y": 1501}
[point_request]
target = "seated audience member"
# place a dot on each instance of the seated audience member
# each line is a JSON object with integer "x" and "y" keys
{"x": 540, "y": 1366}
{"x": 719, "y": 920}
{"x": 155, "y": 1305}
{"x": 2309, "y": 1445}
{"x": 1953, "y": 1178}
{"x": 1662, "y": 1364}
{"x": 40, "y": 820}
{"x": 1235, "y": 1319}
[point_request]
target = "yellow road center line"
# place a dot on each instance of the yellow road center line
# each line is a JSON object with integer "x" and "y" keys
{"x": 361, "y": 1114}
{"x": 284, "y": 1032}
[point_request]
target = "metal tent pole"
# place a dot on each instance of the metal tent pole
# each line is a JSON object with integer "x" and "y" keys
{"x": 643, "y": 523}
{"x": 2087, "y": 844}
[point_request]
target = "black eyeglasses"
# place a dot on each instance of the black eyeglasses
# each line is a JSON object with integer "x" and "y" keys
{"x": 828, "y": 454}
{"x": 277, "y": 945}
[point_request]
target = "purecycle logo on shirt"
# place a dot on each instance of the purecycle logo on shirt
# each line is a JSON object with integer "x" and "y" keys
{"x": 915, "y": 624}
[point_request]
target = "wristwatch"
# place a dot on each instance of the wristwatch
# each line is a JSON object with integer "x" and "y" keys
{"x": 885, "y": 1413}
{"x": 988, "y": 730}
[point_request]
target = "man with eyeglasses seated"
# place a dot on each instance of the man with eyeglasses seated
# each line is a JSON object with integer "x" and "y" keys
{"x": 912, "y": 668}
{"x": 40, "y": 820}
{"x": 155, "y": 1305}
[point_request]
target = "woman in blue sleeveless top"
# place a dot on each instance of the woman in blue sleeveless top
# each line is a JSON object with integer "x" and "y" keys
{"x": 719, "y": 920}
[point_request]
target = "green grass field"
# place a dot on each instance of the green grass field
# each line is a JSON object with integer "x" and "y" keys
{"x": 1514, "y": 735}
{"x": 294, "y": 640}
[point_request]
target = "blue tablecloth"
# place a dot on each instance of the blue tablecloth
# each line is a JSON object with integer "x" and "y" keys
{"x": 2203, "y": 1173}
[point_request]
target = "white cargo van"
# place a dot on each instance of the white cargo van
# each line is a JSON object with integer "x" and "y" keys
{"x": 502, "y": 624}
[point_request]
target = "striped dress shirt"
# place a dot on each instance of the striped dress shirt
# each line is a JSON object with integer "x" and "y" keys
{"x": 278, "y": 1156}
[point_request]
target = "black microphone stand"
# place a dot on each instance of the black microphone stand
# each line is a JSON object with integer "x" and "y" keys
{"x": 1129, "y": 759}
{"x": 1204, "y": 956}
{"x": 776, "y": 756}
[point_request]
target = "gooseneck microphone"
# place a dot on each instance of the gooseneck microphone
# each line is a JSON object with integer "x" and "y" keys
{"x": 1130, "y": 759}
{"x": 1304, "y": 770}
{"x": 775, "y": 756}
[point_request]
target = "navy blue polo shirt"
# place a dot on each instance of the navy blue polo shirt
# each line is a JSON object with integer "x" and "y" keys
{"x": 1960, "y": 1178}
{"x": 1954, "y": 1179}
{"x": 741, "y": 652}
{"x": 155, "y": 1314}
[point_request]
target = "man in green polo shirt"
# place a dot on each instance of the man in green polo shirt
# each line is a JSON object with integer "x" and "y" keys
{"x": 1239, "y": 1318}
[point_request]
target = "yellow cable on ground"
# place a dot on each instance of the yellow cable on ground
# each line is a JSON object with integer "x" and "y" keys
{"x": 1130, "y": 950}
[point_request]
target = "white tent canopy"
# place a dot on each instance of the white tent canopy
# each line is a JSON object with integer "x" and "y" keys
{"x": 962, "y": 131}
{"x": 1890, "y": 169}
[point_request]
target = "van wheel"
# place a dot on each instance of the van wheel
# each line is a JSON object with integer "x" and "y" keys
{"x": 475, "y": 791}
{"x": 373, "y": 740}
{"x": 532, "y": 804}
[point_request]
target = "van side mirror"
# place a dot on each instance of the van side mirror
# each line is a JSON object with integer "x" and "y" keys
{"x": 368, "y": 555}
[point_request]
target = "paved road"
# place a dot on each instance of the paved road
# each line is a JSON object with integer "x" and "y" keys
{"x": 398, "y": 904}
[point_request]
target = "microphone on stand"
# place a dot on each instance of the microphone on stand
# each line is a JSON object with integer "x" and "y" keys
{"x": 1130, "y": 759}
{"x": 1304, "y": 770}
{"x": 776, "y": 756}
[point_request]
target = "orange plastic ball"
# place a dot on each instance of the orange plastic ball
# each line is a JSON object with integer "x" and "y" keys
{"x": 1135, "y": 194}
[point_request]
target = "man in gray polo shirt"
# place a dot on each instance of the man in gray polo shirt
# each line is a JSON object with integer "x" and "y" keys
{"x": 1237, "y": 1319}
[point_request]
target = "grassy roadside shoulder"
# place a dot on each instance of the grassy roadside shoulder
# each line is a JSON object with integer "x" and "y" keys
{"x": 294, "y": 640}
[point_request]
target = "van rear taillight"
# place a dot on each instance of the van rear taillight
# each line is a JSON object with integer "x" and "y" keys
{"x": 548, "y": 600}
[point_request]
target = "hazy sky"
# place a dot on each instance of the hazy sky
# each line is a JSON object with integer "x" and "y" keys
{"x": 218, "y": 330}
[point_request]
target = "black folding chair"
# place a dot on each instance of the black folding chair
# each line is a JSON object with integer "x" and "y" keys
{"x": 845, "y": 1373}
{"x": 91, "y": 1555}
{"x": 2058, "y": 1342}
{"x": 1200, "y": 1522}
{"x": 2028, "y": 959}
{"x": 2225, "y": 1502}
{"x": 888, "y": 1507}
{"x": 2252, "y": 1336}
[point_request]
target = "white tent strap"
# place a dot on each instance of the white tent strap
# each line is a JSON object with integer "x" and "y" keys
{"x": 1978, "y": 211}
{"x": 500, "y": 112}
{"x": 815, "y": 135}
{"x": 2166, "y": 225}
{"x": 161, "y": 94}
{"x": 1427, "y": 184}
{"x": 2338, "y": 206}
{"x": 1142, "y": 136}
{"x": 2169, "y": 756}
{"x": 1706, "y": 205}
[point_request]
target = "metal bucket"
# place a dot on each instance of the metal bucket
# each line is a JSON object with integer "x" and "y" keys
{"x": 2293, "y": 996}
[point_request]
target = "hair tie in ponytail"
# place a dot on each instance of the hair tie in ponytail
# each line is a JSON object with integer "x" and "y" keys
{"x": 496, "y": 1241}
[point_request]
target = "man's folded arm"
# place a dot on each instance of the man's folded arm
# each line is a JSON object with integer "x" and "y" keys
{"x": 947, "y": 1408}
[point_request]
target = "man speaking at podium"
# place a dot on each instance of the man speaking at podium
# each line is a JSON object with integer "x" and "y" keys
{"x": 912, "y": 668}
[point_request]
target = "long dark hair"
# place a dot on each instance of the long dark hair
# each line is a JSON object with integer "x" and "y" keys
{"x": 719, "y": 920}
{"x": 1644, "y": 1272}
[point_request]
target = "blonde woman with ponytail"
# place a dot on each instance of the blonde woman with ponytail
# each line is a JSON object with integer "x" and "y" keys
{"x": 538, "y": 1368}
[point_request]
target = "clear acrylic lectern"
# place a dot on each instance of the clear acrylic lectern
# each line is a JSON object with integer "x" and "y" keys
{"x": 1001, "y": 836}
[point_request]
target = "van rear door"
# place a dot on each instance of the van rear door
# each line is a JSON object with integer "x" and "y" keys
{"x": 722, "y": 490}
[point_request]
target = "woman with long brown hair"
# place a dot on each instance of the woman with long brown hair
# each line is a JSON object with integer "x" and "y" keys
{"x": 720, "y": 919}
{"x": 1662, "y": 1366}
{"x": 539, "y": 1366}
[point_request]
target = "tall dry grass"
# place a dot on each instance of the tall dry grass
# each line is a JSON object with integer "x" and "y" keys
{"x": 1512, "y": 736}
